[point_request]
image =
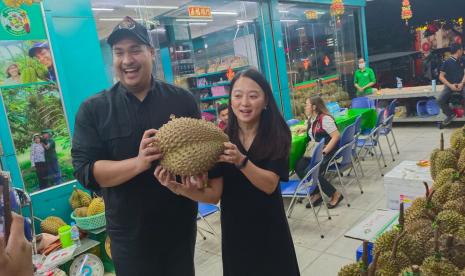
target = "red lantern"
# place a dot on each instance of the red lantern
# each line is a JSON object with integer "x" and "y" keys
{"x": 337, "y": 9}
{"x": 406, "y": 13}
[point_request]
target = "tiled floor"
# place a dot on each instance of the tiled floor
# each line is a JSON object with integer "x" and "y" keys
{"x": 324, "y": 257}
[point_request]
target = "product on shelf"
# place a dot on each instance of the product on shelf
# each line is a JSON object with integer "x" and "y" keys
{"x": 79, "y": 198}
{"x": 97, "y": 206}
{"x": 190, "y": 146}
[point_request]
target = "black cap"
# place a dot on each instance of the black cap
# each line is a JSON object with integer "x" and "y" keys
{"x": 454, "y": 47}
{"x": 129, "y": 28}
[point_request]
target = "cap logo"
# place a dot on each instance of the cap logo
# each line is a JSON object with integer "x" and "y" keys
{"x": 127, "y": 23}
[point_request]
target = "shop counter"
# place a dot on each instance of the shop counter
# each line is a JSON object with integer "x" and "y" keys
{"x": 300, "y": 141}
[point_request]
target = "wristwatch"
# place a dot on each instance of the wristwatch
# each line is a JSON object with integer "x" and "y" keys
{"x": 243, "y": 163}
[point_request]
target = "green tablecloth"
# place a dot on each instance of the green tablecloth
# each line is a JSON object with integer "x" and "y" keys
{"x": 300, "y": 141}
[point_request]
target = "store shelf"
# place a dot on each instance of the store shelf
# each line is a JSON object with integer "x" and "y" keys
{"x": 209, "y": 110}
{"x": 206, "y": 99}
{"x": 213, "y": 85}
{"x": 221, "y": 72}
{"x": 86, "y": 244}
{"x": 97, "y": 231}
{"x": 407, "y": 92}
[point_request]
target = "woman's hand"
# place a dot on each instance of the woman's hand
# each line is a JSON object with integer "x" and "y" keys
{"x": 198, "y": 182}
{"x": 231, "y": 155}
{"x": 167, "y": 179}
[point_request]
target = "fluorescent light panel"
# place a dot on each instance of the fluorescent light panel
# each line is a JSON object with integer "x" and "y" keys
{"x": 224, "y": 13}
{"x": 117, "y": 19}
{"x": 289, "y": 20}
{"x": 198, "y": 23}
{"x": 151, "y": 7}
{"x": 103, "y": 9}
{"x": 244, "y": 21}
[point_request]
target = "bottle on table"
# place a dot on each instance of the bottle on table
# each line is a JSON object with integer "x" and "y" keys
{"x": 75, "y": 234}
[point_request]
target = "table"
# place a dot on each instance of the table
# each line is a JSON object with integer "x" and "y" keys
{"x": 374, "y": 225}
{"x": 300, "y": 141}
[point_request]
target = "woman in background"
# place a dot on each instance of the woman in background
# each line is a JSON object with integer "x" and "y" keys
{"x": 13, "y": 75}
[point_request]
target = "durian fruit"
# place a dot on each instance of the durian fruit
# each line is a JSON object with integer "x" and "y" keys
{"x": 460, "y": 234}
{"x": 441, "y": 195}
{"x": 457, "y": 205}
{"x": 96, "y": 206}
{"x": 81, "y": 212}
{"x": 359, "y": 268}
{"x": 51, "y": 224}
{"x": 79, "y": 198}
{"x": 422, "y": 207}
{"x": 445, "y": 176}
{"x": 393, "y": 262}
{"x": 457, "y": 139}
{"x": 190, "y": 146}
{"x": 461, "y": 161}
{"x": 442, "y": 159}
{"x": 449, "y": 221}
{"x": 437, "y": 265}
{"x": 456, "y": 190}
{"x": 455, "y": 252}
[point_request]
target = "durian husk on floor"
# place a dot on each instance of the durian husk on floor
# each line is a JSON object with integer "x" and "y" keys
{"x": 190, "y": 146}
{"x": 442, "y": 159}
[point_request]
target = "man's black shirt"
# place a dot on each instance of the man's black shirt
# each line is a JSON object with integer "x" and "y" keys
{"x": 454, "y": 70}
{"x": 109, "y": 126}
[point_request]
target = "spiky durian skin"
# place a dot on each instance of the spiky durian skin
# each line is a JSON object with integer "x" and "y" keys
{"x": 441, "y": 160}
{"x": 441, "y": 195}
{"x": 449, "y": 221}
{"x": 433, "y": 267}
{"x": 385, "y": 241}
{"x": 408, "y": 271}
{"x": 457, "y": 140}
{"x": 350, "y": 270}
{"x": 51, "y": 224}
{"x": 97, "y": 206}
{"x": 457, "y": 205}
{"x": 79, "y": 198}
{"x": 457, "y": 189}
{"x": 190, "y": 146}
{"x": 443, "y": 177}
{"x": 391, "y": 265}
{"x": 420, "y": 210}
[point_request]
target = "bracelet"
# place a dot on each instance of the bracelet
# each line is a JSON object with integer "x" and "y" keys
{"x": 243, "y": 163}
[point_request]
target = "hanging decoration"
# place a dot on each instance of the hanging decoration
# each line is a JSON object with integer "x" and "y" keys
{"x": 406, "y": 11}
{"x": 337, "y": 10}
{"x": 18, "y": 3}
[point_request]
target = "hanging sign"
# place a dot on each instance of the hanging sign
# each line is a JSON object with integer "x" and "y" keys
{"x": 200, "y": 11}
{"x": 311, "y": 14}
{"x": 406, "y": 13}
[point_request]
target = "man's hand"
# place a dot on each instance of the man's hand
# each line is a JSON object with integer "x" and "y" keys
{"x": 147, "y": 151}
{"x": 460, "y": 86}
{"x": 16, "y": 257}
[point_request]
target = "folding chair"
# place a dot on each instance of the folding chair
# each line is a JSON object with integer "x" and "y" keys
{"x": 385, "y": 130}
{"x": 357, "y": 133}
{"x": 204, "y": 210}
{"x": 371, "y": 141}
{"x": 303, "y": 188}
{"x": 343, "y": 159}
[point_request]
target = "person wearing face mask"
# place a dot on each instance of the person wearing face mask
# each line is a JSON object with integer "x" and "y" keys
{"x": 364, "y": 79}
{"x": 152, "y": 230}
{"x": 256, "y": 239}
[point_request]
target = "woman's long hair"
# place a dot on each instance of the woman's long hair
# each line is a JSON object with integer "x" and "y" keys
{"x": 8, "y": 69}
{"x": 273, "y": 138}
{"x": 320, "y": 105}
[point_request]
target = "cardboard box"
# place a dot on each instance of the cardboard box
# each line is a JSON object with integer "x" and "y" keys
{"x": 404, "y": 183}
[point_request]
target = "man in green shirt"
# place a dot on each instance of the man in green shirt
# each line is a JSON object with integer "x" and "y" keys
{"x": 364, "y": 79}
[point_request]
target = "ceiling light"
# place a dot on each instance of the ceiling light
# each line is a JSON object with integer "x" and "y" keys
{"x": 283, "y": 11}
{"x": 198, "y": 23}
{"x": 224, "y": 13}
{"x": 183, "y": 51}
{"x": 117, "y": 19}
{"x": 103, "y": 9}
{"x": 289, "y": 20}
{"x": 151, "y": 7}
{"x": 193, "y": 20}
{"x": 301, "y": 28}
{"x": 244, "y": 21}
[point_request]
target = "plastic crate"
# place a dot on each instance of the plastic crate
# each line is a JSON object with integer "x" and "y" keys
{"x": 432, "y": 107}
{"x": 91, "y": 222}
{"x": 421, "y": 109}
{"x": 359, "y": 253}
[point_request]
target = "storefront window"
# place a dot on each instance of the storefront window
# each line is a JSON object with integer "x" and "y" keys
{"x": 200, "y": 45}
{"x": 320, "y": 53}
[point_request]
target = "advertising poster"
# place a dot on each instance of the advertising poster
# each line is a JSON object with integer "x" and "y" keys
{"x": 32, "y": 99}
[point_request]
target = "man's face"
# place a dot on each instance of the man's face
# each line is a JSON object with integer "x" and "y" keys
{"x": 44, "y": 56}
{"x": 224, "y": 115}
{"x": 132, "y": 62}
{"x": 46, "y": 135}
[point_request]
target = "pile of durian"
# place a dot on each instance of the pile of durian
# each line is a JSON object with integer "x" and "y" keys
{"x": 430, "y": 237}
{"x": 83, "y": 204}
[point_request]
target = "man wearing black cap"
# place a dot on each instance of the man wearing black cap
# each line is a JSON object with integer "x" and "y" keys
{"x": 152, "y": 230}
{"x": 41, "y": 51}
{"x": 452, "y": 75}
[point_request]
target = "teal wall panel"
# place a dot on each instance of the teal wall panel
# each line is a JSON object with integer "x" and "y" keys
{"x": 166, "y": 64}
{"x": 346, "y": 2}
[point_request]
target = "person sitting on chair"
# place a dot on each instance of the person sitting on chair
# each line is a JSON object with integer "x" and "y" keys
{"x": 452, "y": 75}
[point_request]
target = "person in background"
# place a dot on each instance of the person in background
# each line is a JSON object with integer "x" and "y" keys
{"x": 223, "y": 116}
{"x": 364, "y": 79}
{"x": 256, "y": 239}
{"x": 38, "y": 161}
{"x": 321, "y": 125}
{"x": 53, "y": 168}
{"x": 41, "y": 51}
{"x": 16, "y": 256}
{"x": 152, "y": 230}
{"x": 13, "y": 75}
{"x": 452, "y": 75}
